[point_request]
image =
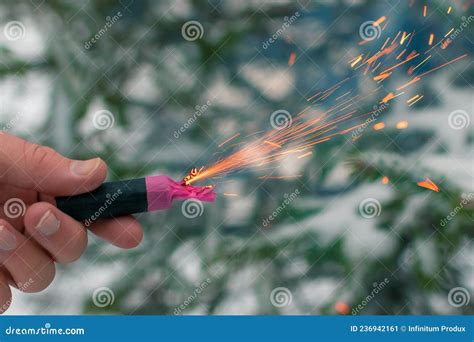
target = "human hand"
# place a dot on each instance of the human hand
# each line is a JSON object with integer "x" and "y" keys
{"x": 34, "y": 234}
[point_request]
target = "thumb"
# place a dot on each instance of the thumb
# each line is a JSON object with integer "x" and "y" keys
{"x": 42, "y": 169}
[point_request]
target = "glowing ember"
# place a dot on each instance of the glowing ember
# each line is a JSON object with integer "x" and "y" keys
{"x": 385, "y": 180}
{"x": 292, "y": 59}
{"x": 428, "y": 184}
{"x": 193, "y": 173}
{"x": 379, "y": 126}
{"x": 342, "y": 308}
{"x": 402, "y": 124}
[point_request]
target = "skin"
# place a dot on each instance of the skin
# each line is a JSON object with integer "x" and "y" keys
{"x": 44, "y": 235}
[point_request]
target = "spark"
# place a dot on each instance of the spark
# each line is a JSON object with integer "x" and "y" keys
{"x": 292, "y": 59}
{"x": 415, "y": 101}
{"x": 401, "y": 54}
{"x": 430, "y": 41}
{"x": 356, "y": 60}
{"x": 414, "y": 80}
{"x": 271, "y": 143}
{"x": 422, "y": 62}
{"x": 378, "y": 126}
{"x": 305, "y": 155}
{"x": 342, "y": 308}
{"x": 230, "y": 195}
{"x": 402, "y": 124}
{"x": 385, "y": 180}
{"x": 429, "y": 184}
{"x": 229, "y": 139}
{"x": 449, "y": 10}
{"x": 424, "y": 10}
{"x": 449, "y": 32}
{"x": 381, "y": 77}
{"x": 379, "y": 21}
{"x": 443, "y": 65}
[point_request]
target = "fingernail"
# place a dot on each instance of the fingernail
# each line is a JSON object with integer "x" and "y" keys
{"x": 48, "y": 224}
{"x": 84, "y": 167}
{"x": 7, "y": 239}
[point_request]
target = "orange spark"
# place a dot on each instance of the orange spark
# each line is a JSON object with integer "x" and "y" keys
{"x": 342, "y": 308}
{"x": 271, "y": 143}
{"x": 382, "y": 76}
{"x": 428, "y": 184}
{"x": 449, "y": 10}
{"x": 385, "y": 180}
{"x": 430, "y": 41}
{"x": 305, "y": 155}
{"x": 424, "y": 10}
{"x": 378, "y": 126}
{"x": 356, "y": 60}
{"x": 379, "y": 21}
{"x": 402, "y": 124}
{"x": 443, "y": 65}
{"x": 229, "y": 139}
{"x": 414, "y": 80}
{"x": 292, "y": 59}
{"x": 418, "y": 98}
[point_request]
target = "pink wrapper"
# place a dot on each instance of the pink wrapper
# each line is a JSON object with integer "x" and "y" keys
{"x": 162, "y": 191}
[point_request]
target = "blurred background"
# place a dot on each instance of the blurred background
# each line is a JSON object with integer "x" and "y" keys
{"x": 153, "y": 87}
